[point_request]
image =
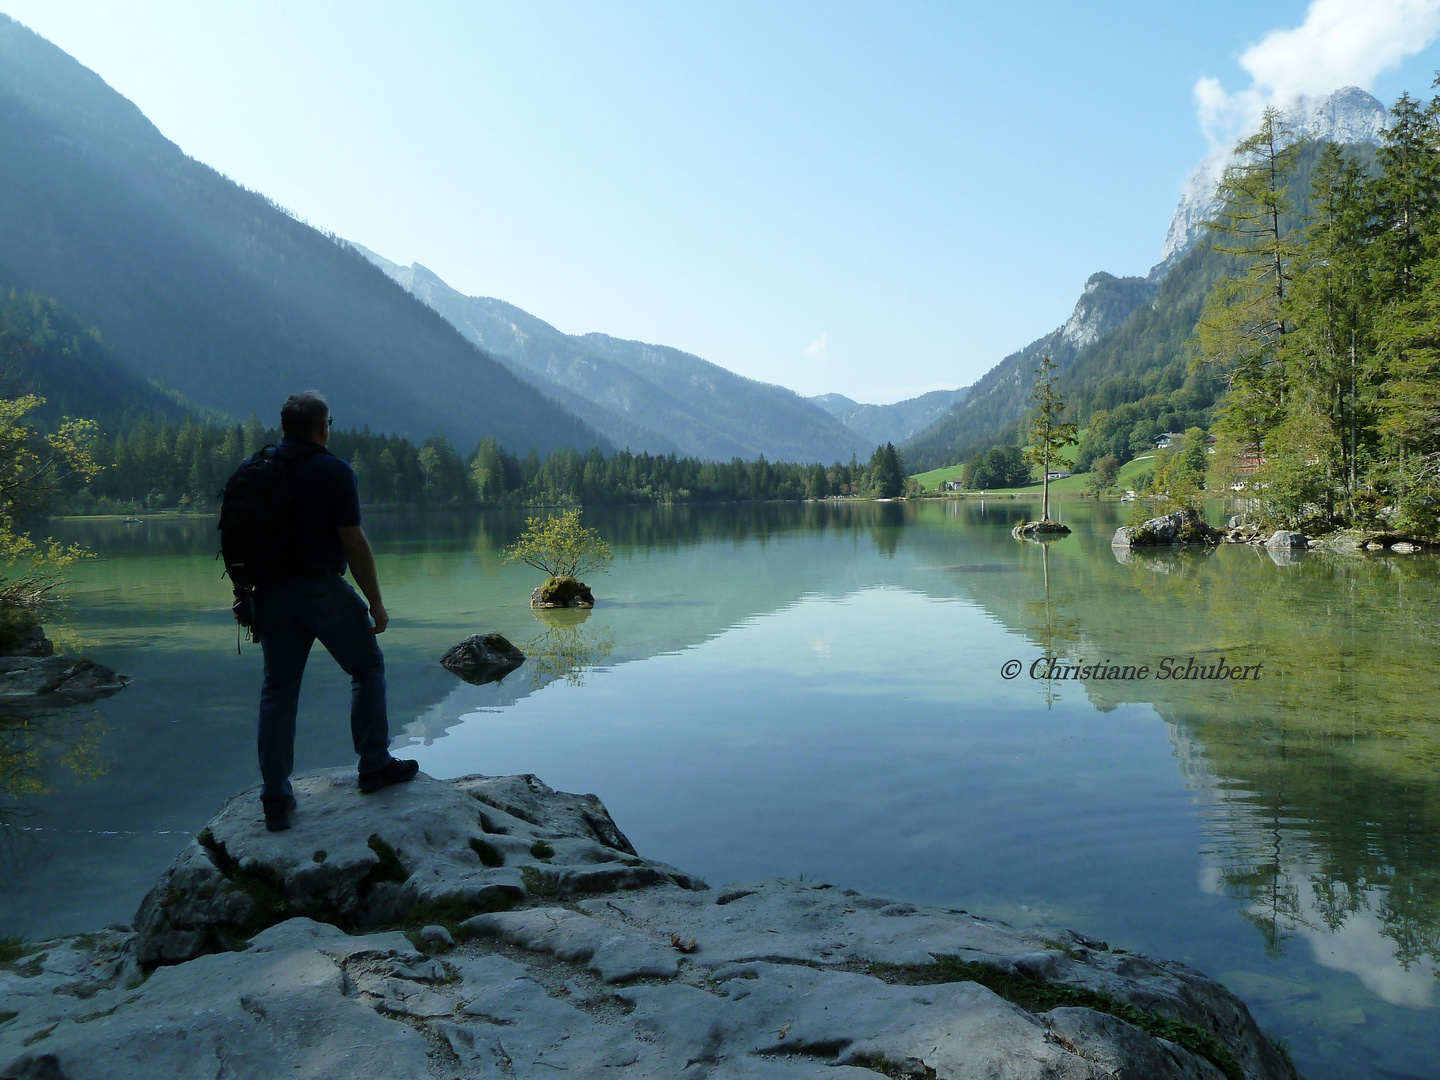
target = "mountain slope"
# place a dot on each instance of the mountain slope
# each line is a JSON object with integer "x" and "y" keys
{"x": 44, "y": 351}
{"x": 214, "y": 291}
{"x": 996, "y": 403}
{"x": 893, "y": 423}
{"x": 649, "y": 397}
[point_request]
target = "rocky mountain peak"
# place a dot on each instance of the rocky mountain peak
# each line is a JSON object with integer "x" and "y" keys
{"x": 1349, "y": 115}
{"x": 1104, "y": 305}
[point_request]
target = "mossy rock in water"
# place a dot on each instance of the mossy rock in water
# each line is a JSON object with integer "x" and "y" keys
{"x": 1039, "y": 530}
{"x": 566, "y": 592}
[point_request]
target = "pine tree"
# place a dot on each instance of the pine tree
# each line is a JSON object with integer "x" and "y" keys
{"x": 1049, "y": 433}
{"x": 1407, "y": 272}
{"x": 887, "y": 476}
{"x": 1244, "y": 325}
{"x": 1332, "y": 310}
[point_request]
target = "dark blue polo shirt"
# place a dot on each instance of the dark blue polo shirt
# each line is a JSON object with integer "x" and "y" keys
{"x": 324, "y": 498}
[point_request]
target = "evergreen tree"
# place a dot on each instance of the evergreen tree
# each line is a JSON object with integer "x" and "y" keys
{"x": 1332, "y": 304}
{"x": 887, "y": 475}
{"x": 1049, "y": 433}
{"x": 1406, "y": 268}
{"x": 1244, "y": 325}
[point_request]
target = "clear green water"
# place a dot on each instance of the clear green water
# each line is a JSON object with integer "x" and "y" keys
{"x": 817, "y": 691}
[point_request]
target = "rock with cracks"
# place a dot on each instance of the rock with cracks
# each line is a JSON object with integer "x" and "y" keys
{"x": 494, "y": 927}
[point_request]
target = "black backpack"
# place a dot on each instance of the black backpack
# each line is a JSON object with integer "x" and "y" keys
{"x": 258, "y": 539}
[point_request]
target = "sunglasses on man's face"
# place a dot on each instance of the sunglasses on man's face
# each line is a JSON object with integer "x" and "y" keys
{"x": 330, "y": 422}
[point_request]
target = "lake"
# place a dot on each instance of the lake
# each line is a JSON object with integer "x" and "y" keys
{"x": 816, "y": 691}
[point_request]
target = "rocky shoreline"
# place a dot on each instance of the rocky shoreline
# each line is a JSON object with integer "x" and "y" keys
{"x": 1185, "y": 527}
{"x": 495, "y": 927}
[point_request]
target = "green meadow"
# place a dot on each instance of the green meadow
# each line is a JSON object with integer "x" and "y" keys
{"x": 1071, "y": 485}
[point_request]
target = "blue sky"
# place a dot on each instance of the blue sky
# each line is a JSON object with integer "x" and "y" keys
{"x": 870, "y": 199}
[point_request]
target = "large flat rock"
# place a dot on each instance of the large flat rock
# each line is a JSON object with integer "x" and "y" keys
{"x": 256, "y": 957}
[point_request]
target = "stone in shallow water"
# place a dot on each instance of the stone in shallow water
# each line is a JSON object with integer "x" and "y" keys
{"x": 563, "y": 592}
{"x": 1040, "y": 530}
{"x": 483, "y": 658}
{"x": 1180, "y": 527}
{"x": 1286, "y": 538}
{"x": 39, "y": 679}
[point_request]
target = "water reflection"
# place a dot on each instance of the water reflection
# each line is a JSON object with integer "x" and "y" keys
{"x": 1050, "y": 625}
{"x": 36, "y": 744}
{"x": 1317, "y": 817}
{"x": 1324, "y": 817}
{"x": 565, "y": 648}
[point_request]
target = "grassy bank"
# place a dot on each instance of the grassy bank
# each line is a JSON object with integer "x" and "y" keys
{"x": 1071, "y": 485}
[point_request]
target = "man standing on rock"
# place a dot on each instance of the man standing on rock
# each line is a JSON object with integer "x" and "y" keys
{"x": 313, "y": 601}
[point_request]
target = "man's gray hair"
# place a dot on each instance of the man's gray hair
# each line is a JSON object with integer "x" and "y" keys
{"x": 304, "y": 414}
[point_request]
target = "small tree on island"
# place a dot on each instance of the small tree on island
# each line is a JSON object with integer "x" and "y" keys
{"x": 1048, "y": 433}
{"x": 561, "y": 547}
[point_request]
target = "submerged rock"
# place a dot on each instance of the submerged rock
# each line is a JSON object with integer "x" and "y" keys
{"x": 563, "y": 592}
{"x": 1181, "y": 527}
{"x": 596, "y": 963}
{"x": 483, "y": 658}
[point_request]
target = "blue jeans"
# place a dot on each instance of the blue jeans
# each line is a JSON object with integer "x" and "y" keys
{"x": 289, "y": 616}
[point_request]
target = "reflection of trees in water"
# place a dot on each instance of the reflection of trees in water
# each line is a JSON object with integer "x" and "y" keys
{"x": 565, "y": 649}
{"x": 886, "y": 527}
{"x": 1057, "y": 633}
{"x": 1327, "y": 770}
{"x": 674, "y": 526}
{"x": 626, "y": 528}
{"x": 34, "y": 746}
{"x": 1326, "y": 807}
{"x": 1311, "y": 838}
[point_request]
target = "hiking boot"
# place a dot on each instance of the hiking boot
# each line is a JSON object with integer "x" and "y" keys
{"x": 277, "y": 816}
{"x": 394, "y": 771}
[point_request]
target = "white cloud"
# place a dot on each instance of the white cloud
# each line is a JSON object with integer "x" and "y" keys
{"x": 818, "y": 348}
{"x": 1340, "y": 43}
